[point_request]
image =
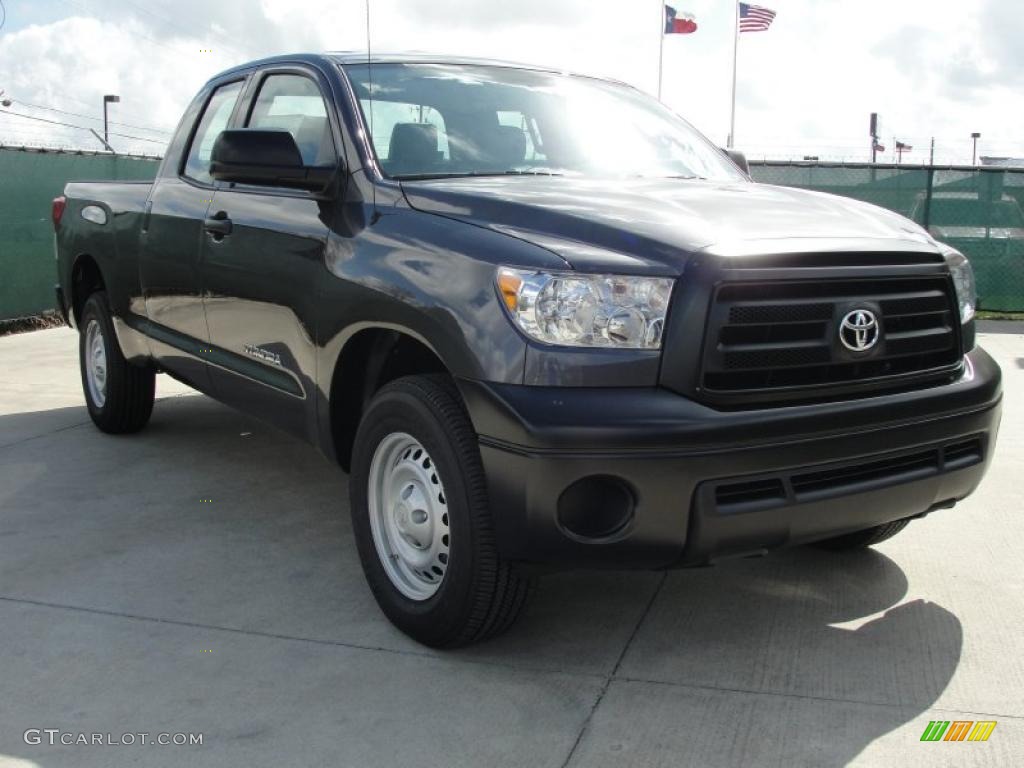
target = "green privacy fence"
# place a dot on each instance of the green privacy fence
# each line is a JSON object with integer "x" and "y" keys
{"x": 979, "y": 211}
{"x": 29, "y": 180}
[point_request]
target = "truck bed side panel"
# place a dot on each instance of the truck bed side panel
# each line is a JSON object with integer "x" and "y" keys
{"x": 112, "y": 245}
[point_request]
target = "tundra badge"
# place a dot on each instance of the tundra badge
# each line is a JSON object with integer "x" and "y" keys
{"x": 262, "y": 354}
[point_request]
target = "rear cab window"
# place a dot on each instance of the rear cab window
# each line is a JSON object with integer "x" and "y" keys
{"x": 384, "y": 116}
{"x": 530, "y": 133}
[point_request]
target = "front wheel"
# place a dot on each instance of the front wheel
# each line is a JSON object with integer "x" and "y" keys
{"x": 419, "y": 509}
{"x": 119, "y": 395}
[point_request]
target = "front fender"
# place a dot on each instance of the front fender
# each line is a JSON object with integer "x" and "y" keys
{"x": 432, "y": 278}
{"x": 429, "y": 278}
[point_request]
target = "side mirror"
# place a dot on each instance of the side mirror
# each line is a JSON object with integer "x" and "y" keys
{"x": 739, "y": 158}
{"x": 265, "y": 158}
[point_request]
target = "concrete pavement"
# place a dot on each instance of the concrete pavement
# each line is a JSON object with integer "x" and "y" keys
{"x": 129, "y": 603}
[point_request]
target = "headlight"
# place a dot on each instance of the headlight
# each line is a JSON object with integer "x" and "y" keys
{"x": 580, "y": 310}
{"x": 963, "y": 281}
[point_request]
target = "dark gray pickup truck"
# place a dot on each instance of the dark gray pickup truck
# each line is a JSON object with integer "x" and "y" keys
{"x": 540, "y": 319}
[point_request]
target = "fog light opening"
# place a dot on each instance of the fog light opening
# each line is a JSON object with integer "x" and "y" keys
{"x": 596, "y": 508}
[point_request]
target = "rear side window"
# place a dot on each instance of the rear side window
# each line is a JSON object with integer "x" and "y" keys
{"x": 214, "y": 120}
{"x": 384, "y": 116}
{"x": 294, "y": 103}
{"x": 530, "y": 131}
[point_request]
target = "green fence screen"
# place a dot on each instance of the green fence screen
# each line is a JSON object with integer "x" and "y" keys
{"x": 979, "y": 211}
{"x": 29, "y": 180}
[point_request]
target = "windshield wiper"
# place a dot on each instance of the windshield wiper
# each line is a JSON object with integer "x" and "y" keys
{"x": 471, "y": 174}
{"x": 684, "y": 176}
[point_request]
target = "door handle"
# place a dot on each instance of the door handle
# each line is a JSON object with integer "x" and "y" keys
{"x": 218, "y": 225}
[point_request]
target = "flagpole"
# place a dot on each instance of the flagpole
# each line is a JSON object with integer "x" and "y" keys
{"x": 661, "y": 45}
{"x": 735, "y": 46}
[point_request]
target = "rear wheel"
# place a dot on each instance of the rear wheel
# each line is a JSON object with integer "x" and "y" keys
{"x": 865, "y": 538}
{"x": 421, "y": 519}
{"x": 119, "y": 395}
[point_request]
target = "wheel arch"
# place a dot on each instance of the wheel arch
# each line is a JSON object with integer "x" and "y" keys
{"x": 86, "y": 279}
{"x": 372, "y": 355}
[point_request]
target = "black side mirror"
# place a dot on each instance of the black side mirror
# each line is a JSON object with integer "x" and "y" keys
{"x": 265, "y": 158}
{"x": 739, "y": 158}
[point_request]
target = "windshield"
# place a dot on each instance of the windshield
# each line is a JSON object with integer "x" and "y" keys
{"x": 433, "y": 120}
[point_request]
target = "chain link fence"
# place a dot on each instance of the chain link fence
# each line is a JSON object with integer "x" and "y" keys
{"x": 979, "y": 211}
{"x": 29, "y": 180}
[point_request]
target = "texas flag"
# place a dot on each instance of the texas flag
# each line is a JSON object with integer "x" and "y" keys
{"x": 679, "y": 23}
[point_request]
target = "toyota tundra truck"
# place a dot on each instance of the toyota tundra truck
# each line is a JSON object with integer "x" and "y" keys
{"x": 538, "y": 318}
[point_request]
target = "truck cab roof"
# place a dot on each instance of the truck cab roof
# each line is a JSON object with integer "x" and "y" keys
{"x": 399, "y": 57}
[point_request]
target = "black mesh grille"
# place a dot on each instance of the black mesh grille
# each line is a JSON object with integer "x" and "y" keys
{"x": 744, "y": 314}
{"x": 782, "y": 338}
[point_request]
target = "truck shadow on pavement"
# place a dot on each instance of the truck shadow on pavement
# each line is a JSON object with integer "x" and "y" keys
{"x": 803, "y": 640}
{"x": 811, "y": 654}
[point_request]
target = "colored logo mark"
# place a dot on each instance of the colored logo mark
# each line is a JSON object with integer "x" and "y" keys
{"x": 958, "y": 730}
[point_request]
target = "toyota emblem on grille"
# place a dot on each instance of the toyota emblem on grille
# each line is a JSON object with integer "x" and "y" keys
{"x": 858, "y": 330}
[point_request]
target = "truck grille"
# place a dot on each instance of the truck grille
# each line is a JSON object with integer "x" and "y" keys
{"x": 782, "y": 338}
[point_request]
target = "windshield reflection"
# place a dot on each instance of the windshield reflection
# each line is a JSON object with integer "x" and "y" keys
{"x": 444, "y": 120}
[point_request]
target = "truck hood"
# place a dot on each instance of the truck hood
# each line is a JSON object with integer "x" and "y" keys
{"x": 654, "y": 225}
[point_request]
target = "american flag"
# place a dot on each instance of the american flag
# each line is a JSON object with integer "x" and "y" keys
{"x": 754, "y": 18}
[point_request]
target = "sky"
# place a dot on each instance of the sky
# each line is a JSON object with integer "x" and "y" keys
{"x": 930, "y": 68}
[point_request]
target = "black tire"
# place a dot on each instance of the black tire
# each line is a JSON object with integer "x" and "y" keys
{"x": 129, "y": 389}
{"x": 479, "y": 595}
{"x": 865, "y": 538}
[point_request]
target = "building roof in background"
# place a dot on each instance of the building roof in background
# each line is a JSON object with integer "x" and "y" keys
{"x": 1003, "y": 162}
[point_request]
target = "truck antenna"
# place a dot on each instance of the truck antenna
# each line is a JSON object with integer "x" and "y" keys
{"x": 369, "y": 77}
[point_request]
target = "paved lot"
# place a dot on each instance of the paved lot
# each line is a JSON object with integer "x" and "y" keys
{"x": 128, "y": 604}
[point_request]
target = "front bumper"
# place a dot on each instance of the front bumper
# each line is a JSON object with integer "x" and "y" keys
{"x": 706, "y": 483}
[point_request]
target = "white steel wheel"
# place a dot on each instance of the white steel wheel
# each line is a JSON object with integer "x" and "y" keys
{"x": 96, "y": 363}
{"x": 408, "y": 514}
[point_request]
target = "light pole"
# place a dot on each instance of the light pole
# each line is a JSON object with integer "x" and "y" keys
{"x": 873, "y": 133}
{"x": 974, "y": 152}
{"x": 108, "y": 99}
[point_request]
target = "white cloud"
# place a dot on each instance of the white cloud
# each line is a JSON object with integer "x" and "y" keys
{"x": 929, "y": 67}
{"x": 71, "y": 64}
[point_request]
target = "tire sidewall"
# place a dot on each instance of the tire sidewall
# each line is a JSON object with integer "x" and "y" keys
{"x": 95, "y": 308}
{"x": 397, "y": 410}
